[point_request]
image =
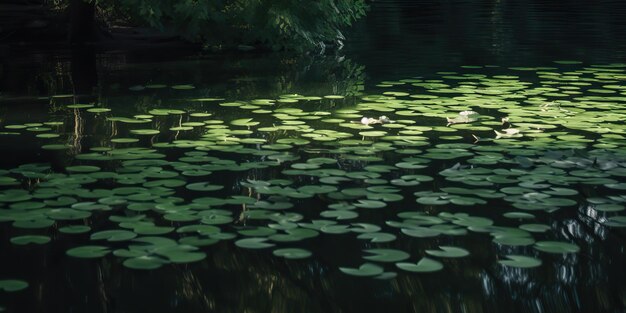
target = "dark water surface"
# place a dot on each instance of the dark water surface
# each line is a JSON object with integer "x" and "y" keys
{"x": 417, "y": 62}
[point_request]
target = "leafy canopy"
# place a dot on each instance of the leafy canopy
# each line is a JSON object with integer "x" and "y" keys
{"x": 278, "y": 24}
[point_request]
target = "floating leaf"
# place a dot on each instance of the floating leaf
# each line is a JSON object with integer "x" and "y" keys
{"x": 30, "y": 239}
{"x": 88, "y": 252}
{"x": 75, "y": 229}
{"x": 82, "y": 169}
{"x": 339, "y": 214}
{"x": 253, "y": 243}
{"x": 448, "y": 252}
{"x": 536, "y": 228}
{"x": 144, "y": 262}
{"x": 425, "y": 265}
{"x": 204, "y": 187}
{"x": 520, "y": 261}
{"x": 113, "y": 235}
{"x": 377, "y": 237}
{"x": 11, "y": 285}
{"x": 421, "y": 232}
{"x": 292, "y": 253}
{"x": 367, "y": 269}
{"x": 556, "y": 247}
{"x": 386, "y": 255}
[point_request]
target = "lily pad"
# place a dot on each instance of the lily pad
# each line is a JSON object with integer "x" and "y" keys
{"x": 377, "y": 237}
{"x": 425, "y": 265}
{"x": 520, "y": 261}
{"x": 11, "y": 285}
{"x": 88, "y": 252}
{"x": 366, "y": 269}
{"x": 30, "y": 239}
{"x": 556, "y": 247}
{"x": 113, "y": 235}
{"x": 75, "y": 229}
{"x": 386, "y": 255}
{"x": 204, "y": 187}
{"x": 253, "y": 243}
{"x": 449, "y": 252}
{"x": 292, "y": 253}
{"x": 145, "y": 262}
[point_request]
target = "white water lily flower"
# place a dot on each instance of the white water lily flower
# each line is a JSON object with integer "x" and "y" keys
{"x": 384, "y": 119}
{"x": 509, "y": 132}
{"x": 466, "y": 113}
{"x": 368, "y": 121}
{"x": 463, "y": 117}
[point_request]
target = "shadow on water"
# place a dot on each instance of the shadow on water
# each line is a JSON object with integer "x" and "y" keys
{"x": 404, "y": 38}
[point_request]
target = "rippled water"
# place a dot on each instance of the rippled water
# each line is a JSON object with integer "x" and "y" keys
{"x": 207, "y": 166}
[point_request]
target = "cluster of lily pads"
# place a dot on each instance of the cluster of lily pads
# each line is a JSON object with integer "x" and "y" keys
{"x": 157, "y": 191}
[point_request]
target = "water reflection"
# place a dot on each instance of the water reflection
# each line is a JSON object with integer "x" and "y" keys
{"x": 401, "y": 38}
{"x": 232, "y": 280}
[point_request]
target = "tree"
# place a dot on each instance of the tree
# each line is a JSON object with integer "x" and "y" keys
{"x": 276, "y": 24}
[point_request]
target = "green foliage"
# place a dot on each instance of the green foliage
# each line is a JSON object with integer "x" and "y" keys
{"x": 278, "y": 24}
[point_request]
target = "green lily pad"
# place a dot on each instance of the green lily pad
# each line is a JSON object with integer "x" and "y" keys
{"x": 82, "y": 169}
{"x": 518, "y": 215}
{"x": 181, "y": 253}
{"x": 513, "y": 240}
{"x": 425, "y": 265}
{"x": 292, "y": 253}
{"x": 535, "y": 228}
{"x": 88, "y": 252}
{"x": 365, "y": 270}
{"x": 609, "y": 207}
{"x": 200, "y": 241}
{"x": 113, "y": 235}
{"x": 370, "y": 204}
{"x": 145, "y": 262}
{"x": 75, "y": 229}
{"x": 556, "y": 247}
{"x": 339, "y": 214}
{"x": 145, "y": 132}
{"x": 421, "y": 232}
{"x": 152, "y": 230}
{"x": 520, "y": 261}
{"x": 449, "y": 252}
{"x": 30, "y": 239}
{"x": 294, "y": 234}
{"x": 386, "y": 255}
{"x": 67, "y": 214}
{"x": 11, "y": 285}
{"x": 377, "y": 237}
{"x": 204, "y": 187}
{"x": 253, "y": 243}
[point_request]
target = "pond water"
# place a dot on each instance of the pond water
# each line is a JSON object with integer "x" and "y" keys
{"x": 453, "y": 157}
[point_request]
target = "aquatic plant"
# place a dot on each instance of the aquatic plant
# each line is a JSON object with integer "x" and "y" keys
{"x": 278, "y": 174}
